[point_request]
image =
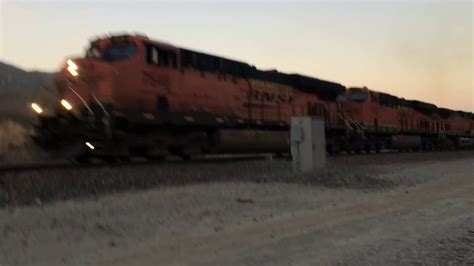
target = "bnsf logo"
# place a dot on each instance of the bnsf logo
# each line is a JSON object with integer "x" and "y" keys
{"x": 269, "y": 97}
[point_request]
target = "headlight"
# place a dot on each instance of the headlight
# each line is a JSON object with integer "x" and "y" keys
{"x": 90, "y": 146}
{"x": 37, "y": 108}
{"x": 72, "y": 68}
{"x": 66, "y": 104}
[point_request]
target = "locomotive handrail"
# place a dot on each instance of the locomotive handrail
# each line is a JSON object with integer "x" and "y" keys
{"x": 100, "y": 104}
{"x": 106, "y": 119}
{"x": 442, "y": 131}
{"x": 80, "y": 98}
{"x": 349, "y": 122}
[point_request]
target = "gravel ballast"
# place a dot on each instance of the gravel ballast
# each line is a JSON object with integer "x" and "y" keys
{"x": 29, "y": 187}
{"x": 355, "y": 172}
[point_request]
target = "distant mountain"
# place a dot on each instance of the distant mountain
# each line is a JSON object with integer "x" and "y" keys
{"x": 18, "y": 88}
{"x": 14, "y": 79}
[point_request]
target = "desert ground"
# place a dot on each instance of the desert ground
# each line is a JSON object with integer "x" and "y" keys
{"x": 403, "y": 208}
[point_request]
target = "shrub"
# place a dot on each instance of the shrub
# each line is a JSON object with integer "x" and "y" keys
{"x": 14, "y": 139}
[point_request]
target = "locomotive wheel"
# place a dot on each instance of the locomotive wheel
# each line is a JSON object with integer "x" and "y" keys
{"x": 156, "y": 157}
{"x": 280, "y": 155}
{"x": 347, "y": 149}
{"x": 124, "y": 159}
{"x": 186, "y": 153}
{"x": 110, "y": 159}
{"x": 185, "y": 157}
{"x": 368, "y": 147}
{"x": 378, "y": 148}
{"x": 83, "y": 159}
{"x": 330, "y": 149}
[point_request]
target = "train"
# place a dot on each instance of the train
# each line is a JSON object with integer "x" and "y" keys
{"x": 130, "y": 95}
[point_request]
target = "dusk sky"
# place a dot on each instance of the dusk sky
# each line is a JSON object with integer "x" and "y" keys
{"x": 418, "y": 50}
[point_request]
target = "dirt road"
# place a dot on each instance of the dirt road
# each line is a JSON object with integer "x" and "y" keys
{"x": 428, "y": 217}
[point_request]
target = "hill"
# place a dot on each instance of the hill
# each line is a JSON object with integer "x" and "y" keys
{"x": 18, "y": 88}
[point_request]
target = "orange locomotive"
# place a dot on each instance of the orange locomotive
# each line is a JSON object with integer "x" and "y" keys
{"x": 131, "y": 95}
{"x": 391, "y": 122}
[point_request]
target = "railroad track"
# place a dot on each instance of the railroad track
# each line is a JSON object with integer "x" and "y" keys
{"x": 36, "y": 183}
{"x": 203, "y": 159}
{"x": 57, "y": 165}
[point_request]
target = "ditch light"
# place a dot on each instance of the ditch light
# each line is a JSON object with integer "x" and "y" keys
{"x": 90, "y": 146}
{"x": 37, "y": 108}
{"x": 66, "y": 105}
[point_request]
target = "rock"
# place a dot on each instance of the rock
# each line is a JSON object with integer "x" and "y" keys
{"x": 100, "y": 227}
{"x": 3, "y": 197}
{"x": 38, "y": 201}
{"x": 245, "y": 201}
{"x": 54, "y": 223}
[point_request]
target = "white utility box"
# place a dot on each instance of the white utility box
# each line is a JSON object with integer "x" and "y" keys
{"x": 308, "y": 143}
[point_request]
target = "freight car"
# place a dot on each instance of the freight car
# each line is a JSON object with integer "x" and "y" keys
{"x": 131, "y": 95}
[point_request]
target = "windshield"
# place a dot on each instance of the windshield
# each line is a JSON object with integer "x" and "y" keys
{"x": 116, "y": 52}
{"x": 357, "y": 96}
{"x": 113, "y": 52}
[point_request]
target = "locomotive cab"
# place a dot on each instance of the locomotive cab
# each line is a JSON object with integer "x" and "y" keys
{"x": 358, "y": 95}
{"x": 85, "y": 91}
{"x": 375, "y": 110}
{"x": 87, "y": 84}
{"x": 353, "y": 104}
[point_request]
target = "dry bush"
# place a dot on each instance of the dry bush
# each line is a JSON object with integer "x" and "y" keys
{"x": 14, "y": 142}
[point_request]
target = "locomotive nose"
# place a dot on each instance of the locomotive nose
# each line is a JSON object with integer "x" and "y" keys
{"x": 81, "y": 84}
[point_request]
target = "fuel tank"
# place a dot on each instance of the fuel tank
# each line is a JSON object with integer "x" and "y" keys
{"x": 406, "y": 141}
{"x": 236, "y": 140}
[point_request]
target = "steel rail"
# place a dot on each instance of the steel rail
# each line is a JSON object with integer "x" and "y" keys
{"x": 58, "y": 165}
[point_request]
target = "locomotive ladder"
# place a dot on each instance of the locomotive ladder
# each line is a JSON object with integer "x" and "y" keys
{"x": 442, "y": 132}
{"x": 349, "y": 122}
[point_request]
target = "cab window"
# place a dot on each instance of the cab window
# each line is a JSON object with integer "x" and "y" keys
{"x": 115, "y": 52}
{"x": 357, "y": 96}
{"x": 160, "y": 57}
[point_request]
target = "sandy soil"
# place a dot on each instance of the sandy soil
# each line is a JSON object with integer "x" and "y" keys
{"x": 428, "y": 217}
